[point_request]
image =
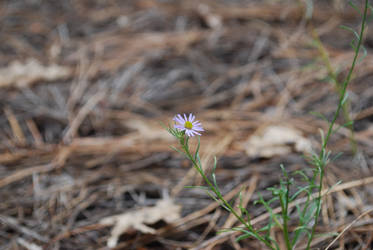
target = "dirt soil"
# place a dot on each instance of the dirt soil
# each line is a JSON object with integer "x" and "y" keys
{"x": 84, "y": 86}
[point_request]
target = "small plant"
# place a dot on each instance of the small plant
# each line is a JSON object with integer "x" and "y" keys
{"x": 285, "y": 193}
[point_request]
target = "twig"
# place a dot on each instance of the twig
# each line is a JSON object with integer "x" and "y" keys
{"x": 348, "y": 227}
{"x": 15, "y": 225}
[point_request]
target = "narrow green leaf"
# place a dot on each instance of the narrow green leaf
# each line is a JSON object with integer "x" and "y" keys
{"x": 272, "y": 200}
{"x": 218, "y": 201}
{"x": 353, "y": 5}
{"x": 350, "y": 29}
{"x": 334, "y": 185}
{"x": 215, "y": 164}
{"x": 197, "y": 150}
{"x": 178, "y": 150}
{"x": 199, "y": 161}
{"x": 213, "y": 173}
{"x": 302, "y": 174}
{"x": 300, "y": 190}
{"x": 365, "y": 53}
{"x": 319, "y": 115}
{"x": 214, "y": 179}
{"x": 339, "y": 154}
{"x": 301, "y": 228}
{"x": 245, "y": 236}
{"x": 345, "y": 98}
{"x": 283, "y": 170}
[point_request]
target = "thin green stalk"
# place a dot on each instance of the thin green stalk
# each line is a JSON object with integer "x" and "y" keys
{"x": 221, "y": 198}
{"x": 332, "y": 74}
{"x": 284, "y": 207}
{"x": 304, "y": 210}
{"x": 340, "y": 104}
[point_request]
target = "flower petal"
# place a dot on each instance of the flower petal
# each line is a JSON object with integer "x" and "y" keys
{"x": 181, "y": 118}
{"x": 178, "y": 120}
{"x": 197, "y": 133}
{"x": 188, "y": 132}
{"x": 179, "y": 127}
{"x": 190, "y": 117}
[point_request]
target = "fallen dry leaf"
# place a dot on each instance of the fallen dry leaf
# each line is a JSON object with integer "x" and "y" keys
{"x": 276, "y": 140}
{"x": 164, "y": 210}
{"x": 20, "y": 75}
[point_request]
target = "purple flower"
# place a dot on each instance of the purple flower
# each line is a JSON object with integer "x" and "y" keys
{"x": 188, "y": 124}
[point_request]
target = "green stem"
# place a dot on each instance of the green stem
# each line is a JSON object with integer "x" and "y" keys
{"x": 284, "y": 207}
{"x": 221, "y": 198}
{"x": 345, "y": 107}
{"x": 340, "y": 105}
{"x": 304, "y": 210}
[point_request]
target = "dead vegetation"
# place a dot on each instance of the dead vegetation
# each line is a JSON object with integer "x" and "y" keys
{"x": 85, "y": 83}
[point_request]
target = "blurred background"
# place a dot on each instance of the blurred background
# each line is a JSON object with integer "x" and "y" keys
{"x": 84, "y": 85}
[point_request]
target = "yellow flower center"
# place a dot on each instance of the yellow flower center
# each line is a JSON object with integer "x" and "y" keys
{"x": 188, "y": 125}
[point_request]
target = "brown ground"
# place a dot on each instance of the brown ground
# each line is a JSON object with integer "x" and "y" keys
{"x": 84, "y": 142}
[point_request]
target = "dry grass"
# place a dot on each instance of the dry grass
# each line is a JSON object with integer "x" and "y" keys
{"x": 75, "y": 150}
